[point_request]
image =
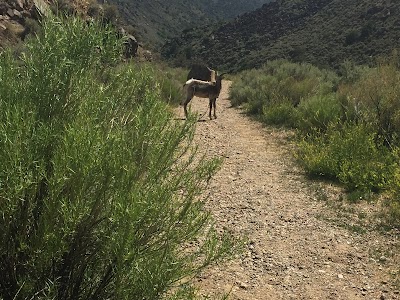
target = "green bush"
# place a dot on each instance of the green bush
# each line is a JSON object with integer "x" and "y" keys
{"x": 171, "y": 82}
{"x": 349, "y": 154}
{"x": 98, "y": 186}
{"x": 251, "y": 86}
{"x": 374, "y": 99}
{"x": 277, "y": 84}
{"x": 392, "y": 199}
{"x": 282, "y": 114}
{"x": 392, "y": 211}
{"x": 318, "y": 112}
{"x": 350, "y": 72}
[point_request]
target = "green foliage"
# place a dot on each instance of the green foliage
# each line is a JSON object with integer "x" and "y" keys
{"x": 56, "y": 65}
{"x": 303, "y": 31}
{"x": 374, "y": 99}
{"x": 99, "y": 186}
{"x": 280, "y": 114}
{"x": 348, "y": 153}
{"x": 352, "y": 37}
{"x": 162, "y": 20}
{"x": 249, "y": 86}
{"x": 392, "y": 211}
{"x": 318, "y": 112}
{"x": 287, "y": 93}
{"x": 350, "y": 72}
{"x": 171, "y": 82}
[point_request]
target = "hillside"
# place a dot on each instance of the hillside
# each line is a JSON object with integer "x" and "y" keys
{"x": 321, "y": 32}
{"x": 153, "y": 22}
{"x": 156, "y": 20}
{"x": 21, "y": 18}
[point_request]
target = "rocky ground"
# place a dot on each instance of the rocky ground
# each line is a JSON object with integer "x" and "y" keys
{"x": 304, "y": 240}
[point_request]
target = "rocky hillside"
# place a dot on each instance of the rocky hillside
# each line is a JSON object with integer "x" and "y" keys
{"x": 157, "y": 20}
{"x": 17, "y": 19}
{"x": 322, "y": 32}
{"x": 153, "y": 22}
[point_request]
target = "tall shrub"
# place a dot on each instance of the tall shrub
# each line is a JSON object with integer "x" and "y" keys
{"x": 98, "y": 186}
{"x": 278, "y": 85}
{"x": 318, "y": 113}
{"x": 348, "y": 153}
{"x": 374, "y": 99}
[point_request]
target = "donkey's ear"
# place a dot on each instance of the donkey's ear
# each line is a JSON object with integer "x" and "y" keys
{"x": 222, "y": 74}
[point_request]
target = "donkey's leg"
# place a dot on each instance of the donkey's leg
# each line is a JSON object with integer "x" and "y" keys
{"x": 185, "y": 104}
{"x": 214, "y": 104}
{"x": 210, "y": 106}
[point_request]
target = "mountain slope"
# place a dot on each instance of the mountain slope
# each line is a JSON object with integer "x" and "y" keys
{"x": 322, "y": 32}
{"x": 157, "y": 20}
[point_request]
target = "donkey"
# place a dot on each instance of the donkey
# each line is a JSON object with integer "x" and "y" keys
{"x": 202, "y": 89}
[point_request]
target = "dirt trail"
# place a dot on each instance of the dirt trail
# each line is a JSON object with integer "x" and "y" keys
{"x": 299, "y": 246}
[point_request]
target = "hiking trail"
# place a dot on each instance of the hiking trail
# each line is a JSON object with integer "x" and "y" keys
{"x": 304, "y": 240}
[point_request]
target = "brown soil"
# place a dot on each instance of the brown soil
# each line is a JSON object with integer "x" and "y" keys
{"x": 304, "y": 240}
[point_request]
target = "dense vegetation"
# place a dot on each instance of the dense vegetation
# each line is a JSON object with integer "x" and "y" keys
{"x": 155, "y": 21}
{"x": 98, "y": 185}
{"x": 321, "y": 32}
{"x": 348, "y": 126}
